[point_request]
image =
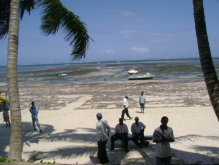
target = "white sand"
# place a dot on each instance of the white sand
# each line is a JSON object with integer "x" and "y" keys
{"x": 69, "y": 134}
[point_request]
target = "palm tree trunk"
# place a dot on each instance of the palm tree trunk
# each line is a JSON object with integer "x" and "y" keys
{"x": 16, "y": 145}
{"x": 210, "y": 75}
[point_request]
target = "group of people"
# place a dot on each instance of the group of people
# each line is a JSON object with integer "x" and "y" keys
{"x": 161, "y": 136}
{"x": 34, "y": 115}
{"x": 142, "y": 100}
{"x": 121, "y": 132}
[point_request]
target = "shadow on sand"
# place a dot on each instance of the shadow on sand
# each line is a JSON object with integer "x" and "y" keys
{"x": 87, "y": 146}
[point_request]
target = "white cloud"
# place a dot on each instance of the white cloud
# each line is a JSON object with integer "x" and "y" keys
{"x": 136, "y": 50}
{"x": 130, "y": 15}
{"x": 129, "y": 31}
{"x": 123, "y": 14}
{"x": 127, "y": 13}
{"x": 108, "y": 52}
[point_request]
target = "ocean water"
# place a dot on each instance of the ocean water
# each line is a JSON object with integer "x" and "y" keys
{"x": 163, "y": 69}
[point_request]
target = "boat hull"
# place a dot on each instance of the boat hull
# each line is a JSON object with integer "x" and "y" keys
{"x": 61, "y": 74}
{"x": 141, "y": 77}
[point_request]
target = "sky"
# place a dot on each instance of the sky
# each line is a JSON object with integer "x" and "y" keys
{"x": 121, "y": 30}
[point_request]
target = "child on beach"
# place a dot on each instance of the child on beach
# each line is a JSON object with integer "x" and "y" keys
{"x": 5, "y": 108}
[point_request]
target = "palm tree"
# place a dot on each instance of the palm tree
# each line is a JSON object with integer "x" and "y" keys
{"x": 55, "y": 16}
{"x": 16, "y": 125}
{"x": 210, "y": 75}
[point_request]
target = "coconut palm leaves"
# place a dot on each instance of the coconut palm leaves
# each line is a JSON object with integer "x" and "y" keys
{"x": 55, "y": 17}
{"x": 4, "y": 17}
{"x": 27, "y": 5}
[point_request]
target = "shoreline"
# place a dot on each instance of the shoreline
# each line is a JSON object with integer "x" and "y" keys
{"x": 20, "y": 85}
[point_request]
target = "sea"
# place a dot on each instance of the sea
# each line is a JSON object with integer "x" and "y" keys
{"x": 184, "y": 69}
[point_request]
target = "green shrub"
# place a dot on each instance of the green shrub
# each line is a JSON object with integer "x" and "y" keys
{"x": 2, "y": 159}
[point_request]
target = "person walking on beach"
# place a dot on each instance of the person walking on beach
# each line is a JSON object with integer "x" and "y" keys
{"x": 34, "y": 112}
{"x": 5, "y": 109}
{"x": 162, "y": 136}
{"x": 121, "y": 132}
{"x": 125, "y": 108}
{"x": 137, "y": 129}
{"x": 103, "y": 131}
{"x": 142, "y": 100}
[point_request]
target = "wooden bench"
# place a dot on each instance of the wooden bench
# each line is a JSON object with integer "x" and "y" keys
{"x": 146, "y": 137}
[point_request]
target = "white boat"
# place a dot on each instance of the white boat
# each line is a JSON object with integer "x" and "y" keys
{"x": 141, "y": 76}
{"x": 132, "y": 71}
{"x": 61, "y": 74}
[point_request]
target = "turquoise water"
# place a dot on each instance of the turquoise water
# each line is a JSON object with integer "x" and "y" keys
{"x": 163, "y": 69}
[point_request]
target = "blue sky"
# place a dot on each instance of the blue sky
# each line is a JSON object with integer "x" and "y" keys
{"x": 121, "y": 29}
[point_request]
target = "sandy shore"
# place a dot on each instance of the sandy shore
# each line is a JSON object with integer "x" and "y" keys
{"x": 67, "y": 116}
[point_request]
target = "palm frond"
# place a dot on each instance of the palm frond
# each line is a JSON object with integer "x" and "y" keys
{"x": 26, "y": 5}
{"x": 56, "y": 16}
{"x": 4, "y": 17}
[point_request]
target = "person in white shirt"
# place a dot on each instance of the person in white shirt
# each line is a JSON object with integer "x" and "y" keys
{"x": 142, "y": 99}
{"x": 103, "y": 131}
{"x": 137, "y": 129}
{"x": 121, "y": 132}
{"x": 125, "y": 108}
{"x": 162, "y": 136}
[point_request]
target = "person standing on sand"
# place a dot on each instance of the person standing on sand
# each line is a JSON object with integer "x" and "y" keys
{"x": 103, "y": 131}
{"x": 5, "y": 108}
{"x": 142, "y": 99}
{"x": 125, "y": 108}
{"x": 34, "y": 112}
{"x": 162, "y": 136}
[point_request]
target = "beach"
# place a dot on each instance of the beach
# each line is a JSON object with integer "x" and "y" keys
{"x": 67, "y": 114}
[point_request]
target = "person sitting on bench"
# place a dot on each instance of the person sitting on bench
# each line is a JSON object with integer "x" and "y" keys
{"x": 121, "y": 132}
{"x": 137, "y": 129}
